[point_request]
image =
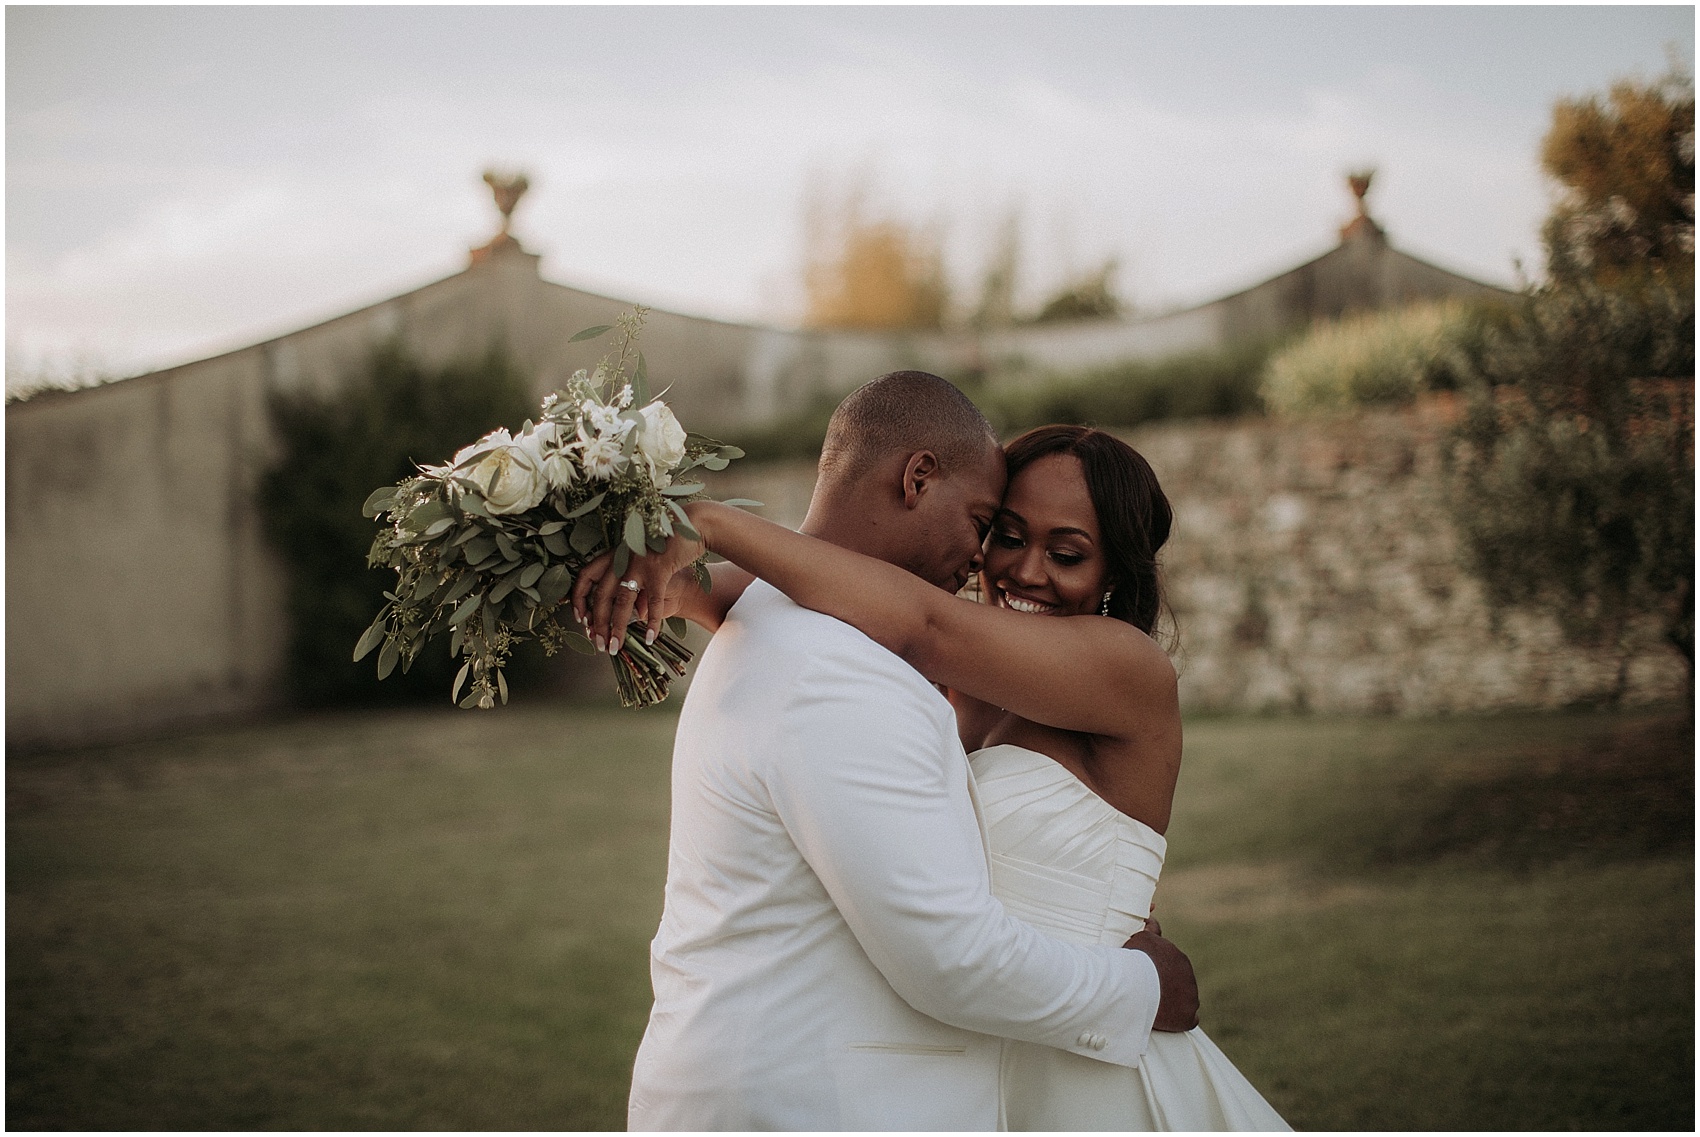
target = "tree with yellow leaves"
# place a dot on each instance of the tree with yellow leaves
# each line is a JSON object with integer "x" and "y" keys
{"x": 869, "y": 272}
{"x": 1626, "y": 168}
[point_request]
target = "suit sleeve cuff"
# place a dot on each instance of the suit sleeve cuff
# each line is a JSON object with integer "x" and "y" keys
{"x": 1124, "y": 1042}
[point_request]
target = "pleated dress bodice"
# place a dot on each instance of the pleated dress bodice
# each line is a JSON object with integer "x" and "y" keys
{"x": 1064, "y": 859}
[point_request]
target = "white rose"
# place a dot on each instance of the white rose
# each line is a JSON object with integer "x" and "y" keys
{"x": 602, "y": 457}
{"x": 499, "y": 437}
{"x": 661, "y": 440}
{"x": 509, "y": 478}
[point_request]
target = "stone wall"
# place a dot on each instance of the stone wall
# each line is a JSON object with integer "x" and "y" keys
{"x": 1314, "y": 567}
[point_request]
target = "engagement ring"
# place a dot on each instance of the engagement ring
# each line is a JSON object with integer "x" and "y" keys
{"x": 631, "y": 586}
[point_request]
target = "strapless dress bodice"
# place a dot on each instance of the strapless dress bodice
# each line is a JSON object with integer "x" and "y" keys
{"x": 1064, "y": 859}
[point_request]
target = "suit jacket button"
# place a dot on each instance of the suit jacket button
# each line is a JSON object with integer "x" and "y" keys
{"x": 1099, "y": 1042}
{"x": 1085, "y": 1038}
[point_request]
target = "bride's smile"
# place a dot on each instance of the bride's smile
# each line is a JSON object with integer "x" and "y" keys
{"x": 1043, "y": 555}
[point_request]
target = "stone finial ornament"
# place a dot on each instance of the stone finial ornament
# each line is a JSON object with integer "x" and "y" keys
{"x": 507, "y": 188}
{"x": 1363, "y": 223}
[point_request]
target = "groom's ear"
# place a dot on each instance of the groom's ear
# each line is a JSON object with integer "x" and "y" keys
{"x": 919, "y": 473}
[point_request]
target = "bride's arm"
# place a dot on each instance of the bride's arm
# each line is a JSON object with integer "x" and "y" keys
{"x": 1089, "y": 674}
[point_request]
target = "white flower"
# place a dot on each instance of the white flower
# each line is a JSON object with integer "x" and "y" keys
{"x": 602, "y": 457}
{"x": 624, "y": 399}
{"x": 499, "y": 437}
{"x": 509, "y": 478}
{"x": 559, "y": 471}
{"x": 605, "y": 421}
{"x": 661, "y": 440}
{"x": 545, "y": 446}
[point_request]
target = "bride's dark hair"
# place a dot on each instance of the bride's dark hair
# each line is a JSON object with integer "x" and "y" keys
{"x": 1134, "y": 517}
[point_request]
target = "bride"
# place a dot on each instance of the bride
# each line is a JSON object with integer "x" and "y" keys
{"x": 1065, "y": 702}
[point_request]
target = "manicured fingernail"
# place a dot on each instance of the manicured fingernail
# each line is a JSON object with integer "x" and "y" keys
{"x": 649, "y": 636}
{"x": 600, "y": 645}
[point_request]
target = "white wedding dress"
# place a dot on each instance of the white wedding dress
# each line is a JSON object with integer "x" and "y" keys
{"x": 1065, "y": 861}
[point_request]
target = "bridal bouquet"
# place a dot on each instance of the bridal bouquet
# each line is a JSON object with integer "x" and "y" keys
{"x": 487, "y": 546}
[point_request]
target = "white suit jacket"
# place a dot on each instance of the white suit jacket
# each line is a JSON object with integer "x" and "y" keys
{"x": 830, "y": 955}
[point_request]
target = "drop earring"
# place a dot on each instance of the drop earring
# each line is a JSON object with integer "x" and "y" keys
{"x": 1104, "y": 608}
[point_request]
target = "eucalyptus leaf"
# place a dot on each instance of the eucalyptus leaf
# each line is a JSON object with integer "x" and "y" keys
{"x": 467, "y": 608}
{"x": 500, "y": 592}
{"x": 509, "y": 553}
{"x": 460, "y": 677}
{"x": 715, "y": 462}
{"x": 387, "y": 659}
{"x": 579, "y": 643}
{"x": 379, "y": 500}
{"x": 502, "y": 685}
{"x": 462, "y": 585}
{"x": 428, "y": 513}
{"x": 685, "y": 490}
{"x": 622, "y": 559}
{"x": 743, "y": 503}
{"x": 370, "y": 639}
{"x": 530, "y": 575}
{"x": 590, "y": 333}
{"x": 683, "y": 522}
{"x": 677, "y": 626}
{"x": 550, "y": 527}
{"x": 640, "y": 382}
{"x": 634, "y": 531}
{"x": 553, "y": 586}
{"x": 727, "y": 450}
{"x": 439, "y": 527}
{"x": 587, "y": 534}
{"x": 657, "y": 544}
{"x": 587, "y": 506}
{"x": 556, "y": 544}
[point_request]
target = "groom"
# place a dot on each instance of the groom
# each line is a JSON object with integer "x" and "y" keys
{"x": 830, "y": 956}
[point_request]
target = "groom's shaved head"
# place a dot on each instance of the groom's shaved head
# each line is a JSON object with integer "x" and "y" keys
{"x": 902, "y": 412}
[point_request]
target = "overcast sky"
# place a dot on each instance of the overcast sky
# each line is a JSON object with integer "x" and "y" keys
{"x": 181, "y": 181}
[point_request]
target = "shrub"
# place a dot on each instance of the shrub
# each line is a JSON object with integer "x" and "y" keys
{"x": 1375, "y": 358}
{"x": 336, "y": 449}
{"x": 1574, "y": 461}
{"x": 1207, "y": 384}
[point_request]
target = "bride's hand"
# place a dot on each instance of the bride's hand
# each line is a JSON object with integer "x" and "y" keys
{"x": 603, "y": 602}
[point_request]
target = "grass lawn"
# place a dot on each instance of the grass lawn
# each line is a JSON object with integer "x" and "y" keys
{"x": 439, "y": 920}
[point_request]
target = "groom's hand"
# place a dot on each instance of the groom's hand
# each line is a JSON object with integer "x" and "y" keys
{"x": 1178, "y": 1008}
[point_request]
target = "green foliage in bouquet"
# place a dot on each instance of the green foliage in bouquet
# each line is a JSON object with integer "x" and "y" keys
{"x": 486, "y": 548}
{"x": 333, "y": 448}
